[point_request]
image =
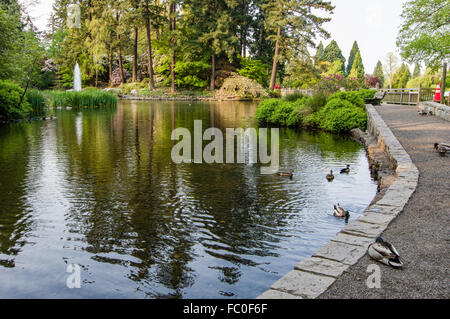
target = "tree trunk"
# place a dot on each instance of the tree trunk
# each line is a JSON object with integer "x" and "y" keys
{"x": 150, "y": 57}
{"x": 261, "y": 41}
{"x": 122, "y": 74}
{"x": 119, "y": 52}
{"x": 135, "y": 55}
{"x": 213, "y": 71}
{"x": 275, "y": 60}
{"x": 444, "y": 79}
{"x": 110, "y": 67}
{"x": 244, "y": 35}
{"x": 172, "y": 44}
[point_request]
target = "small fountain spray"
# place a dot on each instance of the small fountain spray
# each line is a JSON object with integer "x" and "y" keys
{"x": 77, "y": 78}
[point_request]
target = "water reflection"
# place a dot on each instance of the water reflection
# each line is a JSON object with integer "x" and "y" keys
{"x": 99, "y": 189}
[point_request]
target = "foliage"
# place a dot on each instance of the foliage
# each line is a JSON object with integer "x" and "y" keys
{"x": 254, "y": 69}
{"x": 353, "y": 97}
{"x": 91, "y": 98}
{"x": 345, "y": 119}
{"x": 401, "y": 77}
{"x": 340, "y": 114}
{"x": 351, "y": 58}
{"x": 241, "y": 87}
{"x": 372, "y": 81}
{"x": 357, "y": 70}
{"x": 425, "y": 32}
{"x": 37, "y": 102}
{"x": 317, "y": 101}
{"x": 379, "y": 73}
{"x": 293, "y": 97}
{"x": 10, "y": 96}
{"x": 332, "y": 53}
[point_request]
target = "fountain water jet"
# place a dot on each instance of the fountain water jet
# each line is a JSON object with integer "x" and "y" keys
{"x": 77, "y": 78}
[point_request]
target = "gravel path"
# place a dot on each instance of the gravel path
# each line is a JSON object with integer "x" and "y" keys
{"x": 421, "y": 233}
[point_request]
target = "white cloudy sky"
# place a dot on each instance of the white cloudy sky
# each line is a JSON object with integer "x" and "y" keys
{"x": 373, "y": 23}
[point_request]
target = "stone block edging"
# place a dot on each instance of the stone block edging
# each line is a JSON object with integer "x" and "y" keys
{"x": 440, "y": 110}
{"x": 312, "y": 277}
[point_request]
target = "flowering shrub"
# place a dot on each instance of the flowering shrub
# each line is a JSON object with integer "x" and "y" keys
{"x": 239, "y": 86}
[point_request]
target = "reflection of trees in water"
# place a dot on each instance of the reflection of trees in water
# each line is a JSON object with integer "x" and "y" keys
{"x": 132, "y": 206}
{"x": 16, "y": 144}
{"x": 123, "y": 195}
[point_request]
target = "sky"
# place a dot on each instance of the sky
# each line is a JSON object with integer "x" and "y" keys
{"x": 373, "y": 23}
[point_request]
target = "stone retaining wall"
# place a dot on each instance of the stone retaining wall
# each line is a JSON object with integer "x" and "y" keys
{"x": 441, "y": 110}
{"x": 312, "y": 277}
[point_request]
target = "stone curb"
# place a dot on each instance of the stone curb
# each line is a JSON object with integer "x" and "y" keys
{"x": 440, "y": 110}
{"x": 312, "y": 277}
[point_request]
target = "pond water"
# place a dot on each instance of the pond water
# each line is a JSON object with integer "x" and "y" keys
{"x": 99, "y": 189}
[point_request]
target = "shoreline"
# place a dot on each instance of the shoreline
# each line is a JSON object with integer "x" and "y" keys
{"x": 314, "y": 276}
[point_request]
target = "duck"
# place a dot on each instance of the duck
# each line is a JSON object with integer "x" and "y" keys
{"x": 385, "y": 253}
{"x": 286, "y": 174}
{"x": 340, "y": 212}
{"x": 422, "y": 113}
{"x": 345, "y": 170}
{"x": 442, "y": 149}
{"x": 330, "y": 177}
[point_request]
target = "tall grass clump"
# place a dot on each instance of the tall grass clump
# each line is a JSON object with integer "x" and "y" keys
{"x": 293, "y": 97}
{"x": 91, "y": 98}
{"x": 37, "y": 102}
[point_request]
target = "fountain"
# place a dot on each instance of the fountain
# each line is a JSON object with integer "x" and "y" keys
{"x": 77, "y": 78}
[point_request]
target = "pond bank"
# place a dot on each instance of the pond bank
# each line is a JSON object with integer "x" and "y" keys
{"x": 312, "y": 277}
{"x": 421, "y": 232}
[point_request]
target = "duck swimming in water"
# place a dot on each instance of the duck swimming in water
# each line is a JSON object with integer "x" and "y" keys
{"x": 286, "y": 174}
{"x": 330, "y": 177}
{"x": 385, "y": 253}
{"x": 340, "y": 212}
{"x": 345, "y": 170}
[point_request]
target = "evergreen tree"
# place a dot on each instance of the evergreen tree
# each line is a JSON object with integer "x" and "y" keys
{"x": 401, "y": 77}
{"x": 378, "y": 72}
{"x": 319, "y": 53}
{"x": 212, "y": 20}
{"x": 296, "y": 27}
{"x": 351, "y": 58}
{"x": 357, "y": 70}
{"x": 332, "y": 53}
{"x": 417, "y": 71}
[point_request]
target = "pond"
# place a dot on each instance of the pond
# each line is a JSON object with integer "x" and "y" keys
{"x": 99, "y": 189}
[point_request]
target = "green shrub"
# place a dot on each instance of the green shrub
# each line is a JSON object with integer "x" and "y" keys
{"x": 317, "y": 102}
{"x": 266, "y": 109}
{"x": 254, "y": 69}
{"x": 352, "y": 97}
{"x": 367, "y": 94}
{"x": 286, "y": 114}
{"x": 238, "y": 86}
{"x": 10, "y": 95}
{"x": 345, "y": 119}
{"x": 335, "y": 104}
{"x": 293, "y": 97}
{"x": 312, "y": 121}
{"x": 37, "y": 102}
{"x": 273, "y": 94}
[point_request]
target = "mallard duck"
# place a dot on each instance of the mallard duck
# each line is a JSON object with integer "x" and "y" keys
{"x": 286, "y": 174}
{"x": 330, "y": 177}
{"x": 422, "y": 113}
{"x": 340, "y": 212}
{"x": 385, "y": 253}
{"x": 442, "y": 148}
{"x": 345, "y": 170}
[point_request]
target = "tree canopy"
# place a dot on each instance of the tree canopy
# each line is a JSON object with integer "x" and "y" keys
{"x": 425, "y": 32}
